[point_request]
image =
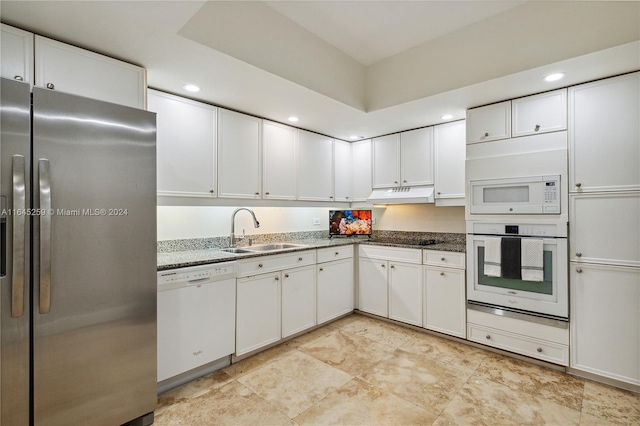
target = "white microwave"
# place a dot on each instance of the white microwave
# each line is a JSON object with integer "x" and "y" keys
{"x": 525, "y": 195}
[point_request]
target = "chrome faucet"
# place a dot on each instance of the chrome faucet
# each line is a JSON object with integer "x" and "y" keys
{"x": 232, "y": 237}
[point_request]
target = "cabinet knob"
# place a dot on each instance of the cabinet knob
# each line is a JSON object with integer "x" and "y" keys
{"x": 395, "y": 181}
{"x": 346, "y": 198}
{"x": 383, "y": 265}
{"x": 18, "y": 78}
{"x": 442, "y": 274}
{"x": 337, "y": 253}
{"x": 578, "y": 254}
{"x": 211, "y": 191}
{"x": 537, "y": 128}
{"x": 260, "y": 265}
{"x": 442, "y": 259}
{"x": 404, "y": 181}
{"x": 392, "y": 267}
{"x": 286, "y": 275}
{"x": 578, "y": 185}
{"x": 488, "y": 336}
{"x": 539, "y": 349}
{"x": 331, "y": 196}
{"x": 486, "y": 134}
{"x": 321, "y": 269}
{"x": 439, "y": 193}
{"x": 51, "y": 86}
{"x": 299, "y": 259}
{"x": 266, "y": 193}
{"x": 257, "y": 193}
{"x": 579, "y": 270}
{"x": 277, "y": 278}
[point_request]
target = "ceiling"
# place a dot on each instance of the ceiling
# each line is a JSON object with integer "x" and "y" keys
{"x": 346, "y": 68}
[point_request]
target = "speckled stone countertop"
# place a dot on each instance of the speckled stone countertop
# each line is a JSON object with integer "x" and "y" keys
{"x": 202, "y": 251}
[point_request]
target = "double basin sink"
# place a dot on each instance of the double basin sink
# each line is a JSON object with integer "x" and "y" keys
{"x": 263, "y": 248}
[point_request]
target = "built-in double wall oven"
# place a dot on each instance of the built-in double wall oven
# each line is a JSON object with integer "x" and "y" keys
{"x": 546, "y": 296}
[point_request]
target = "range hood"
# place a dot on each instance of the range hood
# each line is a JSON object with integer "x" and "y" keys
{"x": 402, "y": 195}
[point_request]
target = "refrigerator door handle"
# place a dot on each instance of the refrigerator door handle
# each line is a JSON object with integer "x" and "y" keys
{"x": 18, "y": 214}
{"x": 44, "y": 186}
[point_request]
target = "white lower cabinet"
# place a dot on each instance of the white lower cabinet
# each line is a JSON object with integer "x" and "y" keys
{"x": 605, "y": 321}
{"x": 444, "y": 292}
{"x": 444, "y": 301}
{"x": 390, "y": 283}
{"x": 405, "y": 293}
{"x": 298, "y": 300}
{"x": 334, "y": 277}
{"x": 257, "y": 312}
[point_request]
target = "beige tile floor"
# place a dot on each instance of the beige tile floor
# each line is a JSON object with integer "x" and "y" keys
{"x": 360, "y": 370}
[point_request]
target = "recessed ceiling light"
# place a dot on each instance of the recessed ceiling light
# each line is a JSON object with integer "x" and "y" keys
{"x": 293, "y": 119}
{"x": 447, "y": 117}
{"x": 554, "y": 77}
{"x": 353, "y": 138}
{"x": 191, "y": 88}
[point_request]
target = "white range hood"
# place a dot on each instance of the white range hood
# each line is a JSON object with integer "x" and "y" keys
{"x": 402, "y": 195}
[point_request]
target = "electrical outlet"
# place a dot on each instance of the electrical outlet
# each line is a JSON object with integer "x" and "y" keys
{"x": 316, "y": 221}
{"x": 373, "y": 221}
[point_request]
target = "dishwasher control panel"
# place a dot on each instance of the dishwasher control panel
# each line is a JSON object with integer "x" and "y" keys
{"x": 193, "y": 275}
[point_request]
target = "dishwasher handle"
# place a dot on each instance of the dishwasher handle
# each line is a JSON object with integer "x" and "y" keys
{"x": 198, "y": 281}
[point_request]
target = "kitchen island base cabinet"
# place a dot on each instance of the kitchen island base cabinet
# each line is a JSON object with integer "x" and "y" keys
{"x": 605, "y": 321}
{"x": 298, "y": 300}
{"x": 258, "y": 312}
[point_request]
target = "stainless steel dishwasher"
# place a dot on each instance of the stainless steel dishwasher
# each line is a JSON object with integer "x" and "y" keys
{"x": 196, "y": 321}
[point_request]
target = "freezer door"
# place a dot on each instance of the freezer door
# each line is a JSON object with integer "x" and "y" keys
{"x": 94, "y": 274}
{"x": 15, "y": 143}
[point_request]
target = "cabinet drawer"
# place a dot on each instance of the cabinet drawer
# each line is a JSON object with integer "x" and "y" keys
{"x": 335, "y": 253}
{"x": 444, "y": 258}
{"x": 391, "y": 253}
{"x": 261, "y": 265}
{"x": 534, "y": 348}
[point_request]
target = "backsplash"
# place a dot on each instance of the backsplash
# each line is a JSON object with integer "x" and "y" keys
{"x": 401, "y": 237}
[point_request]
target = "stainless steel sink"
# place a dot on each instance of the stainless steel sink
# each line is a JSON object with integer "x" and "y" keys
{"x": 235, "y": 250}
{"x": 274, "y": 247}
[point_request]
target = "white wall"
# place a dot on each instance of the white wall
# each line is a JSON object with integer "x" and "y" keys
{"x": 178, "y": 222}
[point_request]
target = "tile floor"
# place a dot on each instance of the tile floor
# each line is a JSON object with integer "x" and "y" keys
{"x": 359, "y": 370}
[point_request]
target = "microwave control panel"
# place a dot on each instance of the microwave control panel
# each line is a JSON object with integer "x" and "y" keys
{"x": 551, "y": 198}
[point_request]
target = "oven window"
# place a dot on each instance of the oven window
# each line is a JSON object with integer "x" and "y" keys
{"x": 544, "y": 287}
{"x": 506, "y": 194}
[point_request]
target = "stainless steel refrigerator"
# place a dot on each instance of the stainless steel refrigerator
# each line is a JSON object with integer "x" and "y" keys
{"x": 78, "y": 260}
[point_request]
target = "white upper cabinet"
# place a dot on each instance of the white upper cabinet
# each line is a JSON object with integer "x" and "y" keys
{"x": 489, "y": 122}
{"x": 361, "y": 185}
{"x": 386, "y": 161}
{"x": 604, "y": 136}
{"x": 70, "y": 69}
{"x": 17, "y": 54}
{"x": 416, "y": 152}
{"x": 239, "y": 159}
{"x": 450, "y": 148}
{"x": 185, "y": 148}
{"x": 315, "y": 167}
{"x": 546, "y": 112}
{"x": 342, "y": 170}
{"x": 403, "y": 159}
{"x": 280, "y": 151}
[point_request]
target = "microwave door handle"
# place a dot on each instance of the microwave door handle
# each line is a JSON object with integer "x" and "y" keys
{"x": 18, "y": 244}
{"x": 44, "y": 185}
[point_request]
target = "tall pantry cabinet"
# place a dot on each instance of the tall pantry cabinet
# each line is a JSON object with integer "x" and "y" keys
{"x": 604, "y": 209}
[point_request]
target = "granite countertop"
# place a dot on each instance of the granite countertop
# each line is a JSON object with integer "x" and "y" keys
{"x": 184, "y": 258}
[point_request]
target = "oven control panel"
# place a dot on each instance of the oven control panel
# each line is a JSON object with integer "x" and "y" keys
{"x": 550, "y": 229}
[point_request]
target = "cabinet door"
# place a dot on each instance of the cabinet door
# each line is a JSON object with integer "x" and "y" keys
{"x": 386, "y": 161}
{"x": 450, "y": 148}
{"x": 185, "y": 145}
{"x": 361, "y": 186}
{"x": 342, "y": 172}
{"x": 80, "y": 72}
{"x": 280, "y": 147}
{"x": 298, "y": 300}
{"x": 335, "y": 289}
{"x": 239, "y": 168}
{"x": 416, "y": 150}
{"x": 258, "y": 312}
{"x": 373, "y": 291}
{"x": 405, "y": 293}
{"x": 605, "y": 321}
{"x": 604, "y": 141}
{"x": 605, "y": 228}
{"x": 489, "y": 123}
{"x": 546, "y": 112}
{"x": 17, "y": 54}
{"x": 315, "y": 162}
{"x": 445, "y": 303}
